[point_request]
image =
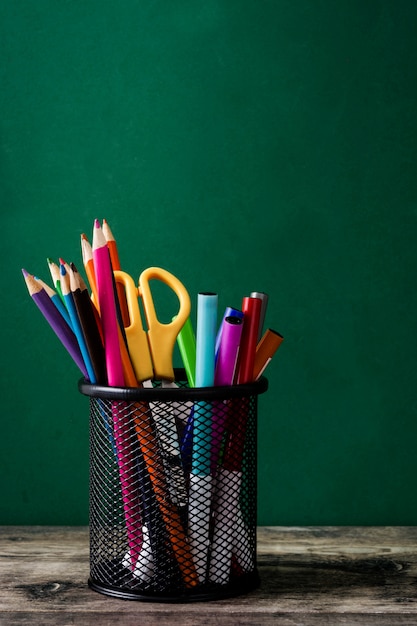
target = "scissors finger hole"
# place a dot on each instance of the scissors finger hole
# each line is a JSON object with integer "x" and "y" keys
{"x": 165, "y": 301}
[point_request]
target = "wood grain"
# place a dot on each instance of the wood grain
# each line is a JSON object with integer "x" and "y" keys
{"x": 312, "y": 575}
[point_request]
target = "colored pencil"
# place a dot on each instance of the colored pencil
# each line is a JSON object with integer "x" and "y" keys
{"x": 88, "y": 262}
{"x": 121, "y": 414}
{"x": 55, "y": 320}
{"x": 115, "y": 263}
{"x": 75, "y": 322}
{"x": 88, "y": 322}
{"x": 56, "y": 300}
{"x": 106, "y": 300}
{"x": 54, "y": 270}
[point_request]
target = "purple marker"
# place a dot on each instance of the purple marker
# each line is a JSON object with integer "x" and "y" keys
{"x": 228, "y": 350}
{"x": 224, "y": 375}
{"x": 229, "y": 312}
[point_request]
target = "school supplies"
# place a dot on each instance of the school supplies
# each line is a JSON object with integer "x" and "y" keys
{"x": 106, "y": 300}
{"x": 200, "y": 478}
{"x": 181, "y": 468}
{"x": 151, "y": 356}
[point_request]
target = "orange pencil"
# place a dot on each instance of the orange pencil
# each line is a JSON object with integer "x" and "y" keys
{"x": 265, "y": 350}
{"x": 115, "y": 262}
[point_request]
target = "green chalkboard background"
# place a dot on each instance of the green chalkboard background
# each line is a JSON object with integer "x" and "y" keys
{"x": 243, "y": 145}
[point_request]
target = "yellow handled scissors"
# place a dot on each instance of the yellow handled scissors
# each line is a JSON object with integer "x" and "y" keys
{"x": 151, "y": 351}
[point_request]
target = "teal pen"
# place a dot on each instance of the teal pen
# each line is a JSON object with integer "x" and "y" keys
{"x": 200, "y": 477}
{"x": 204, "y": 377}
{"x": 206, "y": 339}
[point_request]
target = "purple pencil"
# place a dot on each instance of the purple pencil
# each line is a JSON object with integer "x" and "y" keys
{"x": 54, "y": 319}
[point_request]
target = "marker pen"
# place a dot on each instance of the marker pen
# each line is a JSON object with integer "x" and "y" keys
{"x": 265, "y": 350}
{"x": 228, "y": 350}
{"x": 229, "y": 312}
{"x": 264, "y": 298}
{"x": 224, "y": 375}
{"x": 200, "y": 478}
{"x": 187, "y": 346}
{"x": 251, "y": 308}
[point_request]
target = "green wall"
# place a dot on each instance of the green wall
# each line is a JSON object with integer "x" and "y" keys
{"x": 244, "y": 145}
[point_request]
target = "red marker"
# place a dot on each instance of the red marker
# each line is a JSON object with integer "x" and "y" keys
{"x": 251, "y": 308}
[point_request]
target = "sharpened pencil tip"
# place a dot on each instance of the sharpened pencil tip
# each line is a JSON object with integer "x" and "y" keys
{"x": 96, "y": 223}
{"x": 25, "y": 273}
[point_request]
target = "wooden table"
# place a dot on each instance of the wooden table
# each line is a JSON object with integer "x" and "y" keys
{"x": 313, "y": 575}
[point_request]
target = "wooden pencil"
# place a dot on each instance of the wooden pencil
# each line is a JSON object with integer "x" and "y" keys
{"x": 88, "y": 323}
{"x": 56, "y": 300}
{"x": 55, "y": 319}
{"x": 65, "y": 272}
{"x": 56, "y": 279}
{"x": 88, "y": 262}
{"x": 105, "y": 290}
{"x": 115, "y": 263}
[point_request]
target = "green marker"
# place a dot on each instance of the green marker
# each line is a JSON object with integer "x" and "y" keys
{"x": 187, "y": 345}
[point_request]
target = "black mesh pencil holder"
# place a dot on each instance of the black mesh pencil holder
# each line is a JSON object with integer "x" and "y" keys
{"x": 173, "y": 490}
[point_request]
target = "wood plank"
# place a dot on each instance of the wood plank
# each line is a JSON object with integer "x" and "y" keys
{"x": 314, "y": 575}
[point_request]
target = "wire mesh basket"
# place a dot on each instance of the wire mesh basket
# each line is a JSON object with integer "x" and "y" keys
{"x": 173, "y": 490}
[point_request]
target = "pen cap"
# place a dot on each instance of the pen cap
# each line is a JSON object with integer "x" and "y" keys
{"x": 229, "y": 312}
{"x": 265, "y": 350}
{"x": 187, "y": 347}
{"x": 264, "y": 299}
{"x": 205, "y": 338}
{"x": 228, "y": 350}
{"x": 251, "y": 308}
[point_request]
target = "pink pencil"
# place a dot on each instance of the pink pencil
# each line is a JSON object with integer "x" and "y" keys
{"x": 121, "y": 416}
{"x": 107, "y": 304}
